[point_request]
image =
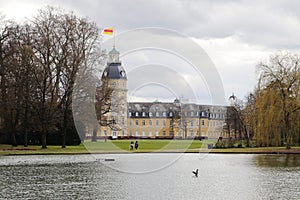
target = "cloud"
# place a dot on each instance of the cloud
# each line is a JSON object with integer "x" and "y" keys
{"x": 274, "y": 24}
{"x": 236, "y": 62}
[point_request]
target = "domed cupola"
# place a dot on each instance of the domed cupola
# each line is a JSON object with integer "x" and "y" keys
{"x": 114, "y": 69}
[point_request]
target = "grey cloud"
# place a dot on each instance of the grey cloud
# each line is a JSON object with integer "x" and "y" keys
{"x": 274, "y": 24}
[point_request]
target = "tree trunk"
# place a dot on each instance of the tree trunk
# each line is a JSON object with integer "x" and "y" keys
{"x": 44, "y": 139}
{"x": 13, "y": 138}
{"x": 64, "y": 130}
{"x": 94, "y": 137}
{"x": 25, "y": 138}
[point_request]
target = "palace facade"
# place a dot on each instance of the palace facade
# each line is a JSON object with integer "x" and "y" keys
{"x": 155, "y": 119}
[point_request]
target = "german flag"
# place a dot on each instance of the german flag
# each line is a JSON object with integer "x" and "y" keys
{"x": 108, "y": 31}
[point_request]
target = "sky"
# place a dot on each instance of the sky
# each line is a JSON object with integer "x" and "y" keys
{"x": 235, "y": 35}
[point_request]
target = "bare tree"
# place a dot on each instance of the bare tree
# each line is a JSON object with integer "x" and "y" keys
{"x": 78, "y": 40}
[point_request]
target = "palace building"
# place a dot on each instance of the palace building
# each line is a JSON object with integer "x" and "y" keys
{"x": 155, "y": 119}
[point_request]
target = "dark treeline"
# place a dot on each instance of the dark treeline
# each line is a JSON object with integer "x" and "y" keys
{"x": 270, "y": 116}
{"x": 39, "y": 62}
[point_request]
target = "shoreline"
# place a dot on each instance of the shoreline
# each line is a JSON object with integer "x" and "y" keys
{"x": 293, "y": 151}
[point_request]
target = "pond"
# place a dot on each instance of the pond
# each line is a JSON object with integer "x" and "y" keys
{"x": 150, "y": 176}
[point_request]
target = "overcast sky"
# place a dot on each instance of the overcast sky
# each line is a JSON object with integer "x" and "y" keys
{"x": 236, "y": 35}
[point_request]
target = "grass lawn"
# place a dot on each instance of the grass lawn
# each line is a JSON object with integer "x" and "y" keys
{"x": 111, "y": 146}
{"x": 122, "y": 146}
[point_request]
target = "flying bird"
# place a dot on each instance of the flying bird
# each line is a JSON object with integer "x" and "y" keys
{"x": 196, "y": 172}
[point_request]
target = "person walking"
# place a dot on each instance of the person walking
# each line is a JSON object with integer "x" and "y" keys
{"x": 131, "y": 145}
{"x": 136, "y": 145}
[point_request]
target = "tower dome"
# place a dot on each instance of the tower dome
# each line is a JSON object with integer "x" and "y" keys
{"x": 114, "y": 71}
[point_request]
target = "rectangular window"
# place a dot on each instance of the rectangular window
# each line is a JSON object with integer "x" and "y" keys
{"x": 136, "y": 133}
{"x": 143, "y": 133}
{"x": 150, "y": 122}
{"x": 192, "y": 133}
{"x": 157, "y": 122}
{"x": 136, "y": 122}
{"x": 164, "y": 133}
{"x": 192, "y": 123}
{"x": 202, "y": 122}
{"x": 164, "y": 122}
{"x": 157, "y": 133}
{"x": 150, "y": 133}
{"x": 143, "y": 122}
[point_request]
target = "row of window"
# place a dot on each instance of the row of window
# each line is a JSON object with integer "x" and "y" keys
{"x": 164, "y": 133}
{"x": 157, "y": 122}
{"x": 171, "y": 114}
{"x": 151, "y": 114}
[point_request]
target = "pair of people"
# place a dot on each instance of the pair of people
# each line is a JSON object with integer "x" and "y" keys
{"x": 135, "y": 145}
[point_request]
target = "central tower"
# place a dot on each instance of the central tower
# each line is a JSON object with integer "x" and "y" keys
{"x": 114, "y": 77}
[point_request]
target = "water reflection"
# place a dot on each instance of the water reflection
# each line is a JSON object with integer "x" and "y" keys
{"x": 281, "y": 160}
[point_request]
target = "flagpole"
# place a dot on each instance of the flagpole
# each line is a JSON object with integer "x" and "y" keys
{"x": 114, "y": 37}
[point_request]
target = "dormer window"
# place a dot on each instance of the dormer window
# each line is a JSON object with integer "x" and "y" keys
{"x": 144, "y": 114}
{"x": 136, "y": 114}
{"x": 122, "y": 73}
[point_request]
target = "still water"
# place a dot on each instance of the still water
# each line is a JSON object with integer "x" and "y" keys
{"x": 150, "y": 176}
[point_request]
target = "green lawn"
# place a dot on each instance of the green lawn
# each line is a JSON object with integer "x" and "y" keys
{"x": 122, "y": 146}
{"x": 145, "y": 145}
{"x": 101, "y": 146}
